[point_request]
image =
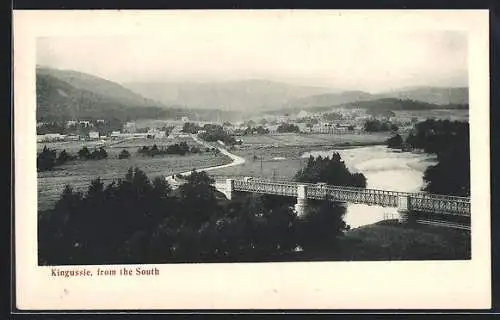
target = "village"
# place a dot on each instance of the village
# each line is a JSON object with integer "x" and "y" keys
{"x": 335, "y": 121}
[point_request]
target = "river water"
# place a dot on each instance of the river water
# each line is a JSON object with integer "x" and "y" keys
{"x": 384, "y": 169}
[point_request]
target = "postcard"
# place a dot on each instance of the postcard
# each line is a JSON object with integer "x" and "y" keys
{"x": 251, "y": 159}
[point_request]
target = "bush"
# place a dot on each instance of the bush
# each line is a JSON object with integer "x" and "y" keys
{"x": 84, "y": 153}
{"x": 395, "y": 142}
{"x": 124, "y": 154}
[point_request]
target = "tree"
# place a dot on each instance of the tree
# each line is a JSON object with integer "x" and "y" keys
{"x": 46, "y": 159}
{"x": 375, "y": 125}
{"x": 64, "y": 157}
{"x": 98, "y": 154}
{"x": 288, "y": 127}
{"x": 451, "y": 175}
{"x": 124, "y": 154}
{"x": 331, "y": 171}
{"x": 449, "y": 141}
{"x": 84, "y": 153}
{"x": 154, "y": 150}
{"x": 323, "y": 224}
{"x": 395, "y": 142}
{"x": 189, "y": 127}
{"x": 197, "y": 198}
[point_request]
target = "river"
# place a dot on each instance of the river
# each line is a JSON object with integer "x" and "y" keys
{"x": 384, "y": 169}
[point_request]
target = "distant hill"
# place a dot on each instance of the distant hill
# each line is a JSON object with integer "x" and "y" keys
{"x": 264, "y": 96}
{"x": 430, "y": 95}
{"x": 99, "y": 86}
{"x": 240, "y": 96}
{"x": 434, "y": 95}
{"x": 329, "y": 99}
{"x": 378, "y": 106}
{"x": 64, "y": 95}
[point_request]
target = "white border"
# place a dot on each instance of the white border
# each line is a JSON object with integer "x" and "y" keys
{"x": 322, "y": 285}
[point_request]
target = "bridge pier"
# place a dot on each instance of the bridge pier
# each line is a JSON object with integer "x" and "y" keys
{"x": 404, "y": 210}
{"x": 229, "y": 188}
{"x": 301, "y": 205}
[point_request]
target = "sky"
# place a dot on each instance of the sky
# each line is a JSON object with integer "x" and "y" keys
{"x": 361, "y": 59}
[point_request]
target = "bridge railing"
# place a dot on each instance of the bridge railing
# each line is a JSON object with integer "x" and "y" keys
{"x": 445, "y": 205}
{"x": 283, "y": 189}
{"x": 357, "y": 195}
{"x": 416, "y": 201}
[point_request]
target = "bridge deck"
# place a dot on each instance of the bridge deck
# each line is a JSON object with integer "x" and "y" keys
{"x": 443, "y": 204}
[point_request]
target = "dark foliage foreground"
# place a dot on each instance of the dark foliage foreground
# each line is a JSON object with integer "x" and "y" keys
{"x": 135, "y": 220}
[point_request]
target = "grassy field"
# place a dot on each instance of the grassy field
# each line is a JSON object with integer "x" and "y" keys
{"x": 389, "y": 240}
{"x": 279, "y": 155}
{"x": 79, "y": 173}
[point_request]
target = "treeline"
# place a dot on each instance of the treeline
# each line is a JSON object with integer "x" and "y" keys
{"x": 376, "y": 125}
{"x": 97, "y": 154}
{"x": 260, "y": 130}
{"x": 214, "y": 133}
{"x": 181, "y": 148}
{"x": 288, "y": 127}
{"x": 330, "y": 170}
{"x": 105, "y": 127}
{"x": 136, "y": 220}
{"x": 449, "y": 141}
{"x": 190, "y": 127}
{"x": 47, "y": 159}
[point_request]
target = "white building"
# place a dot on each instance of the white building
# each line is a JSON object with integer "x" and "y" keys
{"x": 130, "y": 127}
{"x": 72, "y": 138}
{"x": 302, "y": 114}
{"x": 71, "y": 123}
{"x": 85, "y": 123}
{"x": 50, "y": 137}
{"x": 185, "y": 119}
{"x": 94, "y": 135}
{"x": 156, "y": 134}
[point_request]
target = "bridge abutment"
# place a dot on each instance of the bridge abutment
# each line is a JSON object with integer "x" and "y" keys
{"x": 301, "y": 205}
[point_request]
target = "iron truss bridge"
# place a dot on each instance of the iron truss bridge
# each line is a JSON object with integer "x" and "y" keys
{"x": 423, "y": 202}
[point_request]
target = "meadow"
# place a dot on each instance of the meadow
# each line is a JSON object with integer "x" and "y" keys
{"x": 79, "y": 173}
{"x": 278, "y": 156}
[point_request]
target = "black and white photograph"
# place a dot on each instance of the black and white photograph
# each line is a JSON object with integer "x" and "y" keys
{"x": 252, "y": 141}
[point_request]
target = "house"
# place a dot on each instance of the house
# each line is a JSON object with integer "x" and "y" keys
{"x": 155, "y": 133}
{"x": 71, "y": 123}
{"x": 130, "y": 127}
{"x": 50, "y": 137}
{"x": 302, "y": 114}
{"x": 73, "y": 138}
{"x": 84, "y": 123}
{"x": 94, "y": 135}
